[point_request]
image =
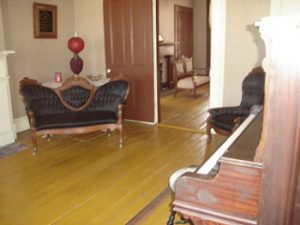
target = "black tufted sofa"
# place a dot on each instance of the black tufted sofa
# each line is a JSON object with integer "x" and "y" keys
{"x": 225, "y": 120}
{"x": 75, "y": 107}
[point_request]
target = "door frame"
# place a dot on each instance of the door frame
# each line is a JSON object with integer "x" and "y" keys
{"x": 216, "y": 10}
{"x": 156, "y": 79}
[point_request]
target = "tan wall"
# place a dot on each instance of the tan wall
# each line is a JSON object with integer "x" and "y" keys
{"x": 200, "y": 33}
{"x": 2, "y": 41}
{"x": 166, "y": 16}
{"x": 166, "y": 25}
{"x": 244, "y": 49}
{"x": 37, "y": 58}
{"x": 90, "y": 26}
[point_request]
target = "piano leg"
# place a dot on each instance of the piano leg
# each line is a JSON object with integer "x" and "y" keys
{"x": 171, "y": 218}
{"x": 182, "y": 221}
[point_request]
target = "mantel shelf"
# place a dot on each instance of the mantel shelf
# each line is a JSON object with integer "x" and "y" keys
{"x": 167, "y": 44}
{"x": 6, "y": 52}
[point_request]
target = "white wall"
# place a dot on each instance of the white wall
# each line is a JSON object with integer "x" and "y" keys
{"x": 89, "y": 25}
{"x": 236, "y": 47}
{"x": 285, "y": 7}
{"x": 36, "y": 58}
{"x": 244, "y": 49}
{"x": 200, "y": 26}
{"x": 218, "y": 34}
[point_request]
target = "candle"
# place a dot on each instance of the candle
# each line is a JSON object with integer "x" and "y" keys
{"x": 75, "y": 35}
{"x": 57, "y": 77}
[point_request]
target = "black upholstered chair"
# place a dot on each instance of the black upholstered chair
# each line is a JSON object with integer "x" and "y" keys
{"x": 225, "y": 120}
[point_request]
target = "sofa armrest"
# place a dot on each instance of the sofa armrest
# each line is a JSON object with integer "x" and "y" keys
{"x": 201, "y": 71}
{"x": 237, "y": 110}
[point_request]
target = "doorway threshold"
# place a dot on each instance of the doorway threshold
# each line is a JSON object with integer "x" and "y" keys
{"x": 181, "y": 128}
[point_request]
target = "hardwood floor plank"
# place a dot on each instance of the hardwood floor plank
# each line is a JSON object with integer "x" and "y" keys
{"x": 185, "y": 110}
{"x": 88, "y": 179}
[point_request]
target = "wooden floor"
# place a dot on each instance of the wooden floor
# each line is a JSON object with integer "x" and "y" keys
{"x": 184, "y": 110}
{"x": 88, "y": 179}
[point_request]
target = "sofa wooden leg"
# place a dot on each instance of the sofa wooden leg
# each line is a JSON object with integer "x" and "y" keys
{"x": 34, "y": 142}
{"x": 171, "y": 218}
{"x": 208, "y": 132}
{"x": 34, "y": 151}
{"x": 175, "y": 92}
{"x": 48, "y": 137}
{"x": 121, "y": 137}
{"x": 194, "y": 93}
{"x": 108, "y": 132}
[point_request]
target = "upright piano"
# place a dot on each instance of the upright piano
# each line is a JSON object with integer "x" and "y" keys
{"x": 229, "y": 192}
{"x": 255, "y": 177}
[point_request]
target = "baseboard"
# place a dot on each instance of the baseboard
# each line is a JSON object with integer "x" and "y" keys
{"x": 142, "y": 215}
{"x": 142, "y": 122}
{"x": 21, "y": 124}
{"x": 7, "y": 138}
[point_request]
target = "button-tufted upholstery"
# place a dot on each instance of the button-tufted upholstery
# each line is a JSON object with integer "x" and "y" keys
{"x": 77, "y": 107}
{"x": 225, "y": 120}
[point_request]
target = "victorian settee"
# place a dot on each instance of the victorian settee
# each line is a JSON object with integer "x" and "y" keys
{"x": 75, "y": 107}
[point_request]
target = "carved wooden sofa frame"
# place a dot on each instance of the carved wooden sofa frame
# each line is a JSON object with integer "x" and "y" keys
{"x": 74, "y": 108}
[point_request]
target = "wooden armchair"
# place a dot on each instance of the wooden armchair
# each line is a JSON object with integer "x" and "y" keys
{"x": 188, "y": 77}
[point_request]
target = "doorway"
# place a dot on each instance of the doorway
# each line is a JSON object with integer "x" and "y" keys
{"x": 191, "y": 37}
{"x": 183, "y": 31}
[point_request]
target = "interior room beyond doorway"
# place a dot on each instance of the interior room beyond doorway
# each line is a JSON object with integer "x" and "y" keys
{"x": 183, "y": 111}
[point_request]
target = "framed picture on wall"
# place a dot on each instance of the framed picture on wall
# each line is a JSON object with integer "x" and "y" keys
{"x": 45, "y": 20}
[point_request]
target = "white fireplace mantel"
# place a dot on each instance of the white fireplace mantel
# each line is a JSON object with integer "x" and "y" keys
{"x": 7, "y": 128}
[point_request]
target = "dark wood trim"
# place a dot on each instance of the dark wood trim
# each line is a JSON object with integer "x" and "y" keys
{"x": 75, "y": 80}
{"x": 148, "y": 209}
{"x": 176, "y": 9}
{"x": 158, "y": 63}
{"x": 37, "y": 32}
{"x": 208, "y": 36}
{"x": 219, "y": 198}
{"x": 280, "y": 143}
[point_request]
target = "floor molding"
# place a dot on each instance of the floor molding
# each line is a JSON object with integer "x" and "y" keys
{"x": 21, "y": 124}
{"x": 180, "y": 128}
{"x": 148, "y": 209}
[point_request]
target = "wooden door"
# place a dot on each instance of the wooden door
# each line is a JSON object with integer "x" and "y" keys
{"x": 183, "y": 28}
{"x": 129, "y": 51}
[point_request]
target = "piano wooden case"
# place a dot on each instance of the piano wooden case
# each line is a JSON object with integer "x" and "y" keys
{"x": 258, "y": 179}
{"x": 229, "y": 195}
